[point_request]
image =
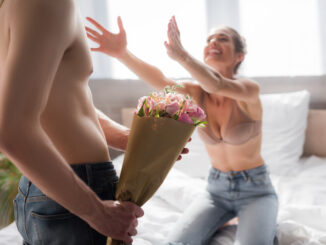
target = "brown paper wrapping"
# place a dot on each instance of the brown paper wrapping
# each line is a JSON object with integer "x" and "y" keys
{"x": 154, "y": 145}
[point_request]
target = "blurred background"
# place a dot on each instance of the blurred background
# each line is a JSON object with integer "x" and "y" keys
{"x": 284, "y": 37}
{"x": 286, "y": 43}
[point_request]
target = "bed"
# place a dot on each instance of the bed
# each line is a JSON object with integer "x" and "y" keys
{"x": 294, "y": 147}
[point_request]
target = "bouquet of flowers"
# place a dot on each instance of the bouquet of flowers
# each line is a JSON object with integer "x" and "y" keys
{"x": 162, "y": 124}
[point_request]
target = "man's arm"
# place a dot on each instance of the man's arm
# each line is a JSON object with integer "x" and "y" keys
{"x": 116, "y": 134}
{"x": 39, "y": 37}
{"x": 41, "y": 31}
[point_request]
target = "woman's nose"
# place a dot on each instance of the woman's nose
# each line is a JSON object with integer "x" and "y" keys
{"x": 213, "y": 43}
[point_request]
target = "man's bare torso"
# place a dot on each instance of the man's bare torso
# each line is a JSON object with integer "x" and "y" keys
{"x": 69, "y": 118}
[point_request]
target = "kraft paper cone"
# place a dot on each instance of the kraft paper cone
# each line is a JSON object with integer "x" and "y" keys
{"x": 154, "y": 145}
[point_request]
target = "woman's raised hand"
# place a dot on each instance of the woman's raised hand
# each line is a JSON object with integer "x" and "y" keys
{"x": 174, "y": 47}
{"x": 109, "y": 43}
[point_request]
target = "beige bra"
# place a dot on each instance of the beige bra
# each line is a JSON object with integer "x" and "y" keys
{"x": 239, "y": 129}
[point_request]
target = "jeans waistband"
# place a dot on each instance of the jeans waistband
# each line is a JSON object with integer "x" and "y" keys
{"x": 89, "y": 170}
{"x": 236, "y": 174}
{"x": 93, "y": 174}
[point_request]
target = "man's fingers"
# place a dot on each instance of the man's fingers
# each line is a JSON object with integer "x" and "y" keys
{"x": 135, "y": 223}
{"x": 127, "y": 239}
{"x": 132, "y": 232}
{"x": 185, "y": 151}
{"x": 139, "y": 212}
{"x": 133, "y": 208}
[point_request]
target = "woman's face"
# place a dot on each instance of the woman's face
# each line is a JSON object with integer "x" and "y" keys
{"x": 220, "y": 49}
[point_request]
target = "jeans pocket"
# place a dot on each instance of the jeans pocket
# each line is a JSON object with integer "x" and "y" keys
{"x": 61, "y": 228}
{"x": 260, "y": 179}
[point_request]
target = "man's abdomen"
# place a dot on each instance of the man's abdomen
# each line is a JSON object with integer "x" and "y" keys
{"x": 72, "y": 125}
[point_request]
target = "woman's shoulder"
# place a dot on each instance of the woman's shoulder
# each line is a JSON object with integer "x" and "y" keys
{"x": 248, "y": 82}
{"x": 192, "y": 88}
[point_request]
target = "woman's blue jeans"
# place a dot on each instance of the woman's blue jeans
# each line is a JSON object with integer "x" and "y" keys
{"x": 42, "y": 221}
{"x": 248, "y": 195}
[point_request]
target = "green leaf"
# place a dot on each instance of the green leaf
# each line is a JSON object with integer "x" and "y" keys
{"x": 157, "y": 111}
{"x": 166, "y": 89}
{"x": 175, "y": 117}
{"x": 141, "y": 112}
{"x": 9, "y": 180}
{"x": 201, "y": 124}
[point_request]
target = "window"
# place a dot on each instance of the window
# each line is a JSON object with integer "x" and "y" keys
{"x": 146, "y": 23}
{"x": 283, "y": 37}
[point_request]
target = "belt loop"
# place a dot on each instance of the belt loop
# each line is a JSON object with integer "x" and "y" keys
{"x": 245, "y": 175}
{"x": 28, "y": 188}
{"x": 217, "y": 174}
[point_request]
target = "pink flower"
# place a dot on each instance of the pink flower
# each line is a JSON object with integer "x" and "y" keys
{"x": 189, "y": 107}
{"x": 167, "y": 103}
{"x": 141, "y": 101}
{"x": 172, "y": 108}
{"x": 198, "y": 114}
{"x": 184, "y": 117}
{"x": 151, "y": 105}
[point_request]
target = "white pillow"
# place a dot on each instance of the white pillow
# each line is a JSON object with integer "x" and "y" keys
{"x": 284, "y": 123}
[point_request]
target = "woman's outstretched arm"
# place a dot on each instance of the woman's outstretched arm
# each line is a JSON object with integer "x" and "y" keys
{"x": 115, "y": 45}
{"x": 210, "y": 80}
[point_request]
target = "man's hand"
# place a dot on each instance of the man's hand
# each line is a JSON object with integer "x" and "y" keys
{"x": 117, "y": 220}
{"x": 184, "y": 151}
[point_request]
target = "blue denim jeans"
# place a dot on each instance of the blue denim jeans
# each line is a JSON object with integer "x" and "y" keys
{"x": 248, "y": 195}
{"x": 42, "y": 221}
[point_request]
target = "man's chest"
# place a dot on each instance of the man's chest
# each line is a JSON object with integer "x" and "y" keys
{"x": 77, "y": 62}
{"x": 4, "y": 35}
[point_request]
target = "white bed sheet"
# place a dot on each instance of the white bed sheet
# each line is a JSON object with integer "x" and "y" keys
{"x": 300, "y": 186}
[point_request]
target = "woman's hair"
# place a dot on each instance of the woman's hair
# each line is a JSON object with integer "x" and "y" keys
{"x": 239, "y": 43}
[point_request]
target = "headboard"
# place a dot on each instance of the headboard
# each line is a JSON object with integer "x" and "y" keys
{"x": 111, "y": 96}
{"x": 315, "y": 143}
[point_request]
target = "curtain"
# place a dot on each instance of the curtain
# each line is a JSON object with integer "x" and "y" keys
{"x": 284, "y": 37}
{"x": 322, "y": 30}
{"x": 97, "y": 9}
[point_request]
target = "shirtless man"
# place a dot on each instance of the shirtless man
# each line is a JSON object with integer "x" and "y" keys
{"x": 50, "y": 128}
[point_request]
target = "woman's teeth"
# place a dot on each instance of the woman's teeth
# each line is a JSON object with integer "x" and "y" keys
{"x": 214, "y": 51}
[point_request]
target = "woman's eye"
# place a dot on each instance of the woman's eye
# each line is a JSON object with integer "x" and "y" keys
{"x": 223, "y": 39}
